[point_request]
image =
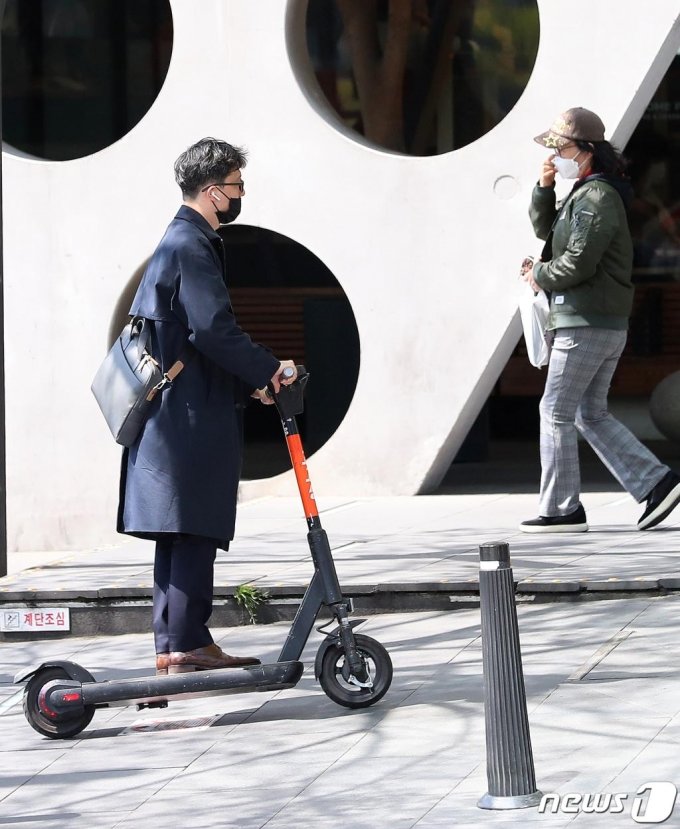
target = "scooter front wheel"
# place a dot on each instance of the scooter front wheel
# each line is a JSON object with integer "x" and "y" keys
{"x": 55, "y": 729}
{"x": 338, "y": 683}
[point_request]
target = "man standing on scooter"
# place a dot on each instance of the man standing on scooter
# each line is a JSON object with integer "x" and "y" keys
{"x": 179, "y": 480}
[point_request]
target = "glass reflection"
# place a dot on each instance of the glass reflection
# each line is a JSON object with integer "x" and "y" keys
{"x": 422, "y": 76}
{"x": 654, "y": 154}
{"x": 77, "y": 75}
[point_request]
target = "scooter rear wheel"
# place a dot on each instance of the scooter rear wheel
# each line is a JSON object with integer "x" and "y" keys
{"x": 336, "y": 681}
{"x": 55, "y": 729}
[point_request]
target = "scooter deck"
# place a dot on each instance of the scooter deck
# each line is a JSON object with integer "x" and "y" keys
{"x": 165, "y": 688}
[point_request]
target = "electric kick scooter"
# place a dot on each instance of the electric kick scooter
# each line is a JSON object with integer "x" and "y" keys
{"x": 355, "y": 671}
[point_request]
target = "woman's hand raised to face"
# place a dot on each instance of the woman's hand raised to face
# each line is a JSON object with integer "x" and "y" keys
{"x": 547, "y": 177}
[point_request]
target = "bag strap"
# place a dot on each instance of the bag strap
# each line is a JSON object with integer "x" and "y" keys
{"x": 186, "y": 355}
{"x": 140, "y": 332}
{"x": 176, "y": 368}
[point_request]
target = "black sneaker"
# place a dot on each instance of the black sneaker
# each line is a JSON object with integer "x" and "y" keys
{"x": 661, "y": 501}
{"x": 575, "y": 522}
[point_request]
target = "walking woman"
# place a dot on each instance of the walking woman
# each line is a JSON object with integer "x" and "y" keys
{"x": 586, "y": 268}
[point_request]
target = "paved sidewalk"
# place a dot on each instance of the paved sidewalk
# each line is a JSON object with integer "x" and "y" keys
{"x": 601, "y": 676}
{"x": 602, "y": 683}
{"x": 425, "y": 543}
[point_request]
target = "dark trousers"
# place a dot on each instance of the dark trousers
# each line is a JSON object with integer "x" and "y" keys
{"x": 183, "y": 592}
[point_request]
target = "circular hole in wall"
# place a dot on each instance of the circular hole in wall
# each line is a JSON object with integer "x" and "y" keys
{"x": 288, "y": 300}
{"x": 77, "y": 75}
{"x": 419, "y": 77}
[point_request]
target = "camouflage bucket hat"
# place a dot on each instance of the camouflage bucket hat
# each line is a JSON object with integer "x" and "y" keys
{"x": 576, "y": 124}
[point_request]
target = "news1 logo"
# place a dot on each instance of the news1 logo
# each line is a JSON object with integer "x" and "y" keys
{"x": 653, "y": 802}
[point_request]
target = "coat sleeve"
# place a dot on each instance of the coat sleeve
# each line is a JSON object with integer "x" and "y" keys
{"x": 201, "y": 302}
{"x": 594, "y": 222}
{"x": 542, "y": 210}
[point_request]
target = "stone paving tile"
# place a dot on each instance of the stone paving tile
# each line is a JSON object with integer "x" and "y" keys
{"x": 360, "y": 808}
{"x": 65, "y": 819}
{"x": 17, "y": 656}
{"x": 437, "y": 734}
{"x": 287, "y": 714}
{"x": 284, "y": 759}
{"x": 85, "y": 792}
{"x": 18, "y": 767}
{"x": 417, "y": 759}
{"x": 215, "y": 809}
{"x": 658, "y": 754}
{"x": 138, "y": 752}
{"x": 655, "y": 693}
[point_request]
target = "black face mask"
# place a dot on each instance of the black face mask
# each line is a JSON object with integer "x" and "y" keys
{"x": 225, "y": 217}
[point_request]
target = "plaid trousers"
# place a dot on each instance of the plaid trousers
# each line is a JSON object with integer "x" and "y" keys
{"x": 582, "y": 363}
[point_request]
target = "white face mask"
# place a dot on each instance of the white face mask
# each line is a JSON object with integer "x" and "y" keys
{"x": 567, "y": 167}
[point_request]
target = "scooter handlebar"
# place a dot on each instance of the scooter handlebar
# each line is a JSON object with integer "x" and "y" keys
{"x": 286, "y": 374}
{"x": 289, "y": 398}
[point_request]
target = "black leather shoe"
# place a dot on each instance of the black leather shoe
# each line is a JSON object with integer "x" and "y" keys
{"x": 661, "y": 501}
{"x": 575, "y": 522}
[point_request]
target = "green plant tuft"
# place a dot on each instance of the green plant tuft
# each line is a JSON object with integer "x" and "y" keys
{"x": 250, "y": 598}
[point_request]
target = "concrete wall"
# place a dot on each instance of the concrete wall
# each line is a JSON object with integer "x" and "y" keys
{"x": 426, "y": 249}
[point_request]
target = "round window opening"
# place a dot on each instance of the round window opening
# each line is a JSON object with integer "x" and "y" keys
{"x": 77, "y": 75}
{"x": 285, "y": 298}
{"x": 421, "y": 77}
{"x": 288, "y": 300}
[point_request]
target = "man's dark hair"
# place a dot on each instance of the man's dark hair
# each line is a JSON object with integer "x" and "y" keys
{"x": 208, "y": 161}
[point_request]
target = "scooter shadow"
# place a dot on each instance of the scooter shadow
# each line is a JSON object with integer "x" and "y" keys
{"x": 308, "y": 703}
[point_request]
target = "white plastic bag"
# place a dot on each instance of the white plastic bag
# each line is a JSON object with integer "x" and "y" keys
{"x": 534, "y": 310}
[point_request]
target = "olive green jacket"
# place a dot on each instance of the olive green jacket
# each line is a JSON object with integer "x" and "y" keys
{"x": 589, "y": 274}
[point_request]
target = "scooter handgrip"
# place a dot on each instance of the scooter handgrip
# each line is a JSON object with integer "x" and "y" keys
{"x": 287, "y": 373}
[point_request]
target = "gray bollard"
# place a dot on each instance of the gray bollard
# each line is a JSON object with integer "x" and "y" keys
{"x": 509, "y": 760}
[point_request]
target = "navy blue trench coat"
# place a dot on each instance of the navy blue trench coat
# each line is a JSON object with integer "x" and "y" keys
{"x": 182, "y": 474}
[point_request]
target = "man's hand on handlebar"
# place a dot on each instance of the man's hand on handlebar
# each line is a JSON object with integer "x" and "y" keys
{"x": 286, "y": 375}
{"x": 281, "y": 379}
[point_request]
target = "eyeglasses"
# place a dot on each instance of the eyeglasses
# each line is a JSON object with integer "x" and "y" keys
{"x": 560, "y": 150}
{"x": 240, "y": 184}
